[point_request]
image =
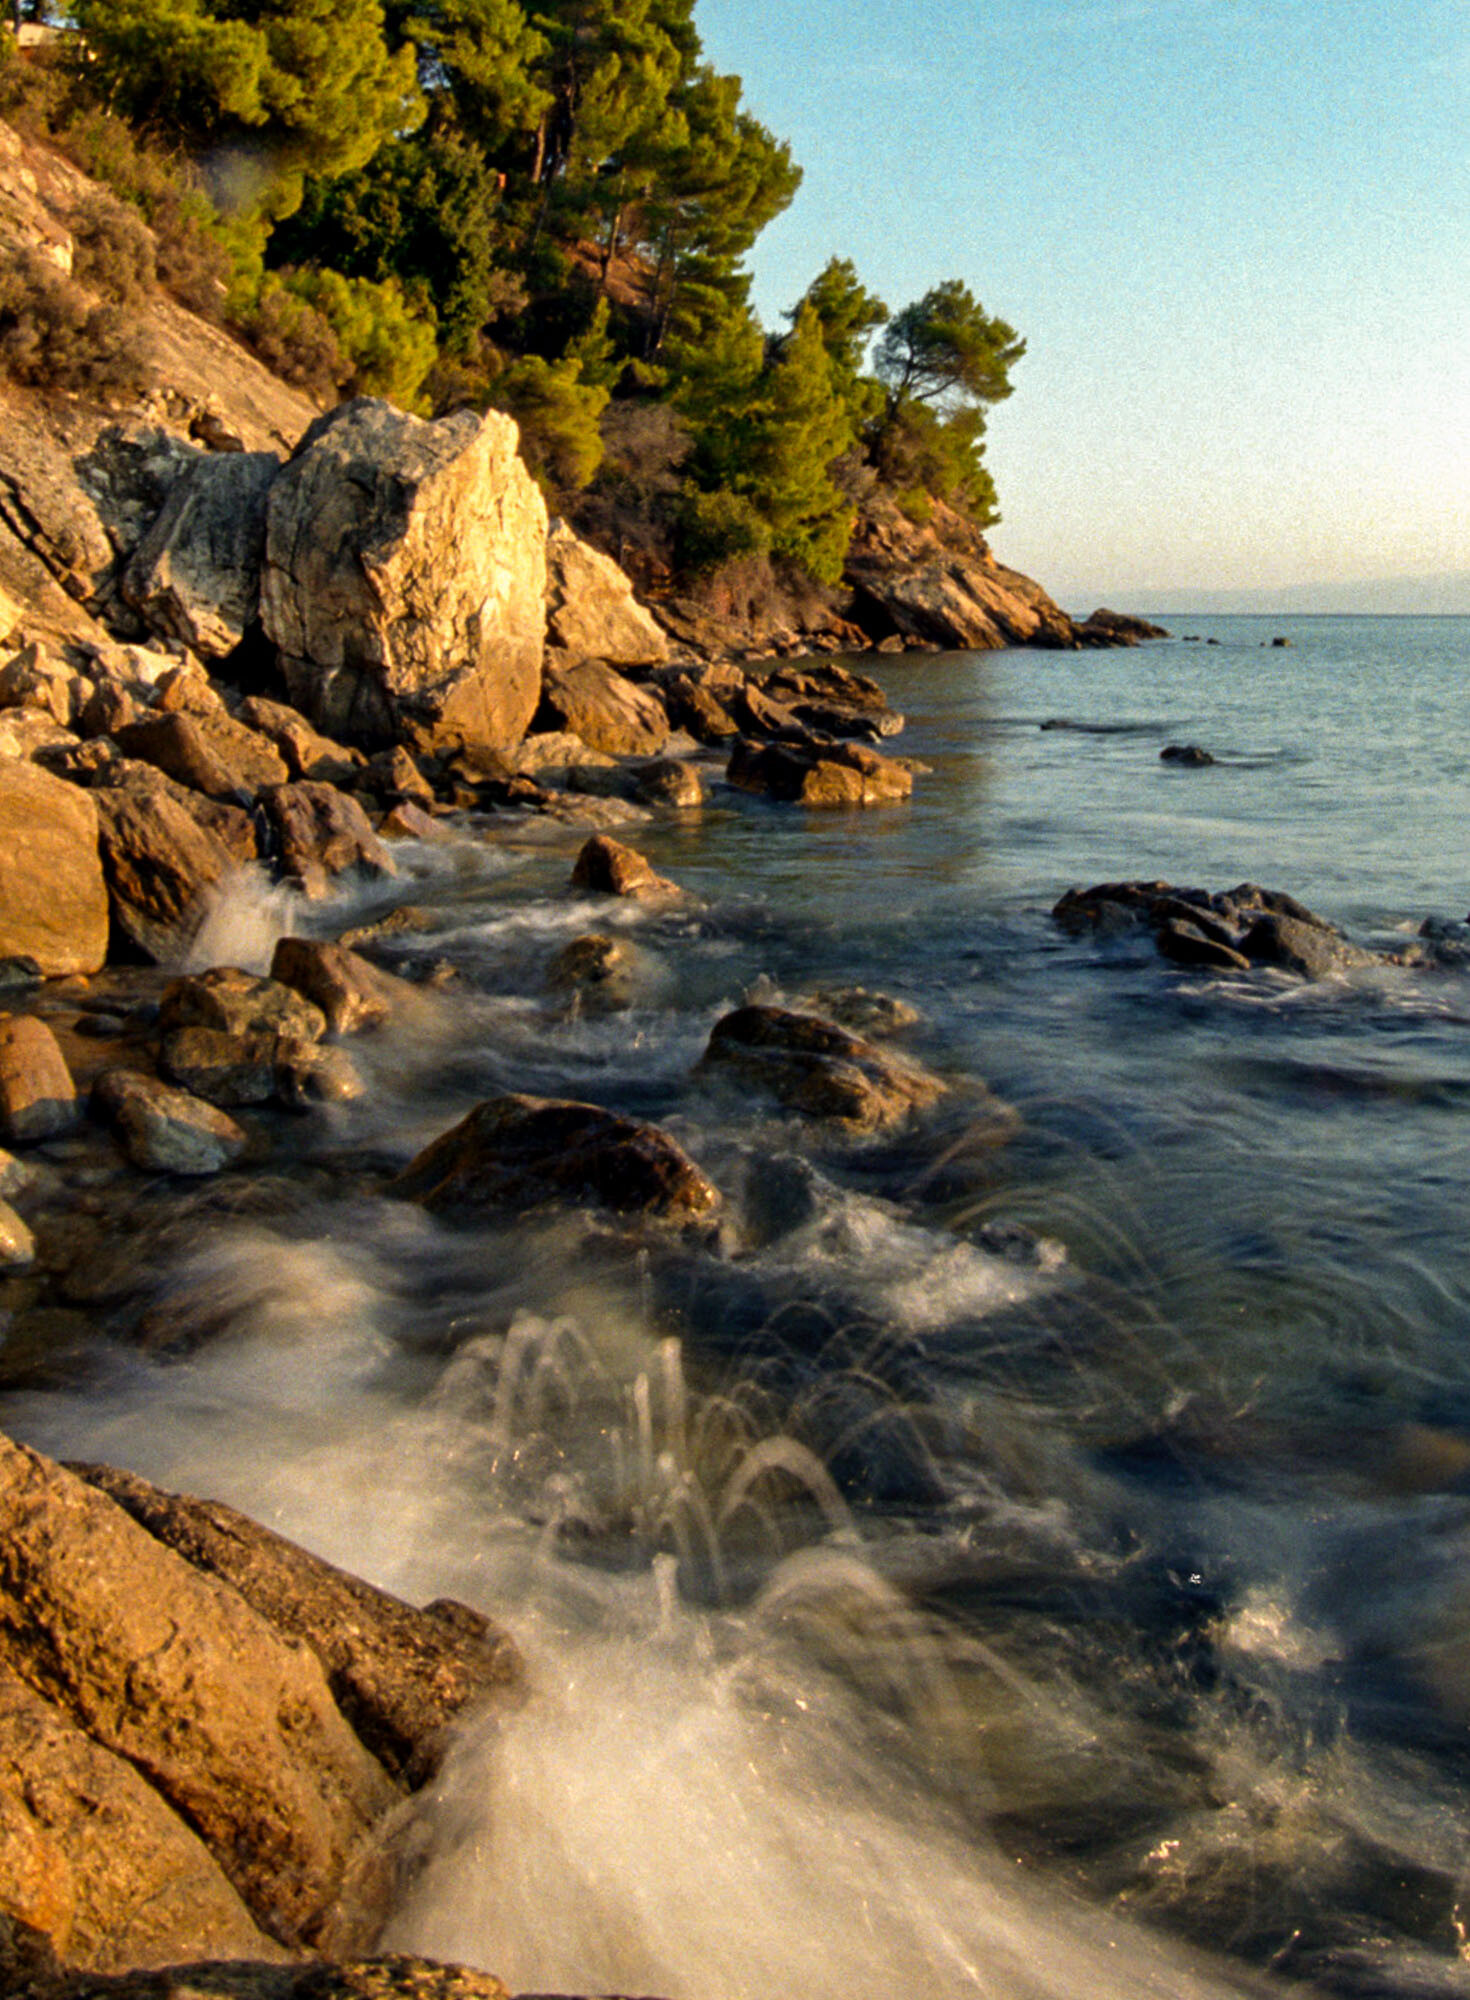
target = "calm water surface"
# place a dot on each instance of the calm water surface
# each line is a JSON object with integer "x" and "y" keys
{"x": 1033, "y": 1556}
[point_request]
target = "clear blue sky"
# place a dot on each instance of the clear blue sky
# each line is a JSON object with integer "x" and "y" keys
{"x": 1235, "y": 233}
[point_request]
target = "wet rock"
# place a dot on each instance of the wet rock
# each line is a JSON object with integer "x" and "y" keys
{"x": 591, "y": 612}
{"x": 1189, "y": 754}
{"x": 838, "y": 774}
{"x": 195, "y": 576}
{"x": 308, "y": 1074}
{"x": 1229, "y": 930}
{"x": 593, "y": 701}
{"x": 158, "y": 863}
{"x": 596, "y": 970}
{"x": 16, "y": 1177}
{"x": 405, "y": 577}
{"x": 318, "y": 833}
{"x": 226, "y": 1070}
{"x": 523, "y": 1152}
{"x": 668, "y": 781}
{"x": 406, "y": 821}
{"x": 53, "y": 899}
{"x": 693, "y": 705}
{"x": 816, "y": 1067}
{"x": 351, "y": 994}
{"x": 1311, "y": 948}
{"x": 239, "y": 1003}
{"x": 17, "y": 1243}
{"x": 608, "y": 868}
{"x": 230, "y": 1724}
{"x": 864, "y": 1012}
{"x": 211, "y": 754}
{"x": 165, "y": 1130}
{"x": 38, "y": 1099}
{"x": 399, "y": 1675}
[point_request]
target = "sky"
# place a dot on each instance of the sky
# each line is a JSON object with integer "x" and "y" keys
{"x": 1234, "y": 233}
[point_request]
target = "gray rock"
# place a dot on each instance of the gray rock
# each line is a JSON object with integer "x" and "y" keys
{"x": 195, "y": 576}
{"x": 165, "y": 1130}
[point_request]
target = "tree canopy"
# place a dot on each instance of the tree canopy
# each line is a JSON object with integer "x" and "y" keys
{"x": 542, "y": 205}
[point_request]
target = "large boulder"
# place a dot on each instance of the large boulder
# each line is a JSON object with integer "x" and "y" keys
{"x": 230, "y": 1724}
{"x": 53, "y": 899}
{"x": 521, "y": 1152}
{"x": 318, "y": 833}
{"x": 591, "y": 612}
{"x": 398, "y": 1674}
{"x": 195, "y": 576}
{"x": 405, "y": 577}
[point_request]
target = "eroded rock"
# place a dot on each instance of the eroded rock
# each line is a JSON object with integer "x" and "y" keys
{"x": 165, "y": 1130}
{"x": 195, "y": 576}
{"x": 38, "y": 1099}
{"x": 834, "y": 775}
{"x": 591, "y": 612}
{"x": 318, "y": 832}
{"x": 591, "y": 700}
{"x": 240, "y": 1003}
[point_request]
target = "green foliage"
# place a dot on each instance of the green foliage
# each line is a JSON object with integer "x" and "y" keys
{"x": 943, "y": 456}
{"x": 293, "y": 84}
{"x": 712, "y": 529}
{"x": 558, "y": 414}
{"x": 944, "y": 350}
{"x": 424, "y": 213}
{"x": 387, "y": 349}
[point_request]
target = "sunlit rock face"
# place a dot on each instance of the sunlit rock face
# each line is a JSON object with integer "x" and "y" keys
{"x": 405, "y": 577}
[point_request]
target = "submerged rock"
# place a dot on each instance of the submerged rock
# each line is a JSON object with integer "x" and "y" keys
{"x": 819, "y": 1068}
{"x": 1188, "y": 754}
{"x": 522, "y": 1152}
{"x": 594, "y": 970}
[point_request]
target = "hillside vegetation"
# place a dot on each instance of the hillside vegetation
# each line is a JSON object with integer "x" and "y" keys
{"x": 545, "y": 210}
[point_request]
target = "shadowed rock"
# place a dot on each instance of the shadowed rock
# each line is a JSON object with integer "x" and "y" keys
{"x": 1233, "y": 930}
{"x": 37, "y": 1096}
{"x": 522, "y": 1152}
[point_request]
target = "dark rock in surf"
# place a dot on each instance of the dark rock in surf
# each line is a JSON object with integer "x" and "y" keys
{"x": 595, "y": 971}
{"x": 1189, "y": 754}
{"x": 350, "y": 993}
{"x": 818, "y": 1068}
{"x": 519, "y": 1152}
{"x": 1117, "y": 628}
{"x": 832, "y": 774}
{"x": 317, "y": 833}
{"x": 1231, "y": 930}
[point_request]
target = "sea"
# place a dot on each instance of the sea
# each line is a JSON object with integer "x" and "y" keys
{"x": 1024, "y": 1555}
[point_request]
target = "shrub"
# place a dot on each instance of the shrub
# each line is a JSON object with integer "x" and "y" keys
{"x": 113, "y": 252}
{"x": 53, "y": 336}
{"x": 295, "y": 341}
{"x": 713, "y": 529}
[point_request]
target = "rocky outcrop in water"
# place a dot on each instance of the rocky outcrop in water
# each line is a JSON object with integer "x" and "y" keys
{"x": 818, "y": 1068}
{"x": 1234, "y": 930}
